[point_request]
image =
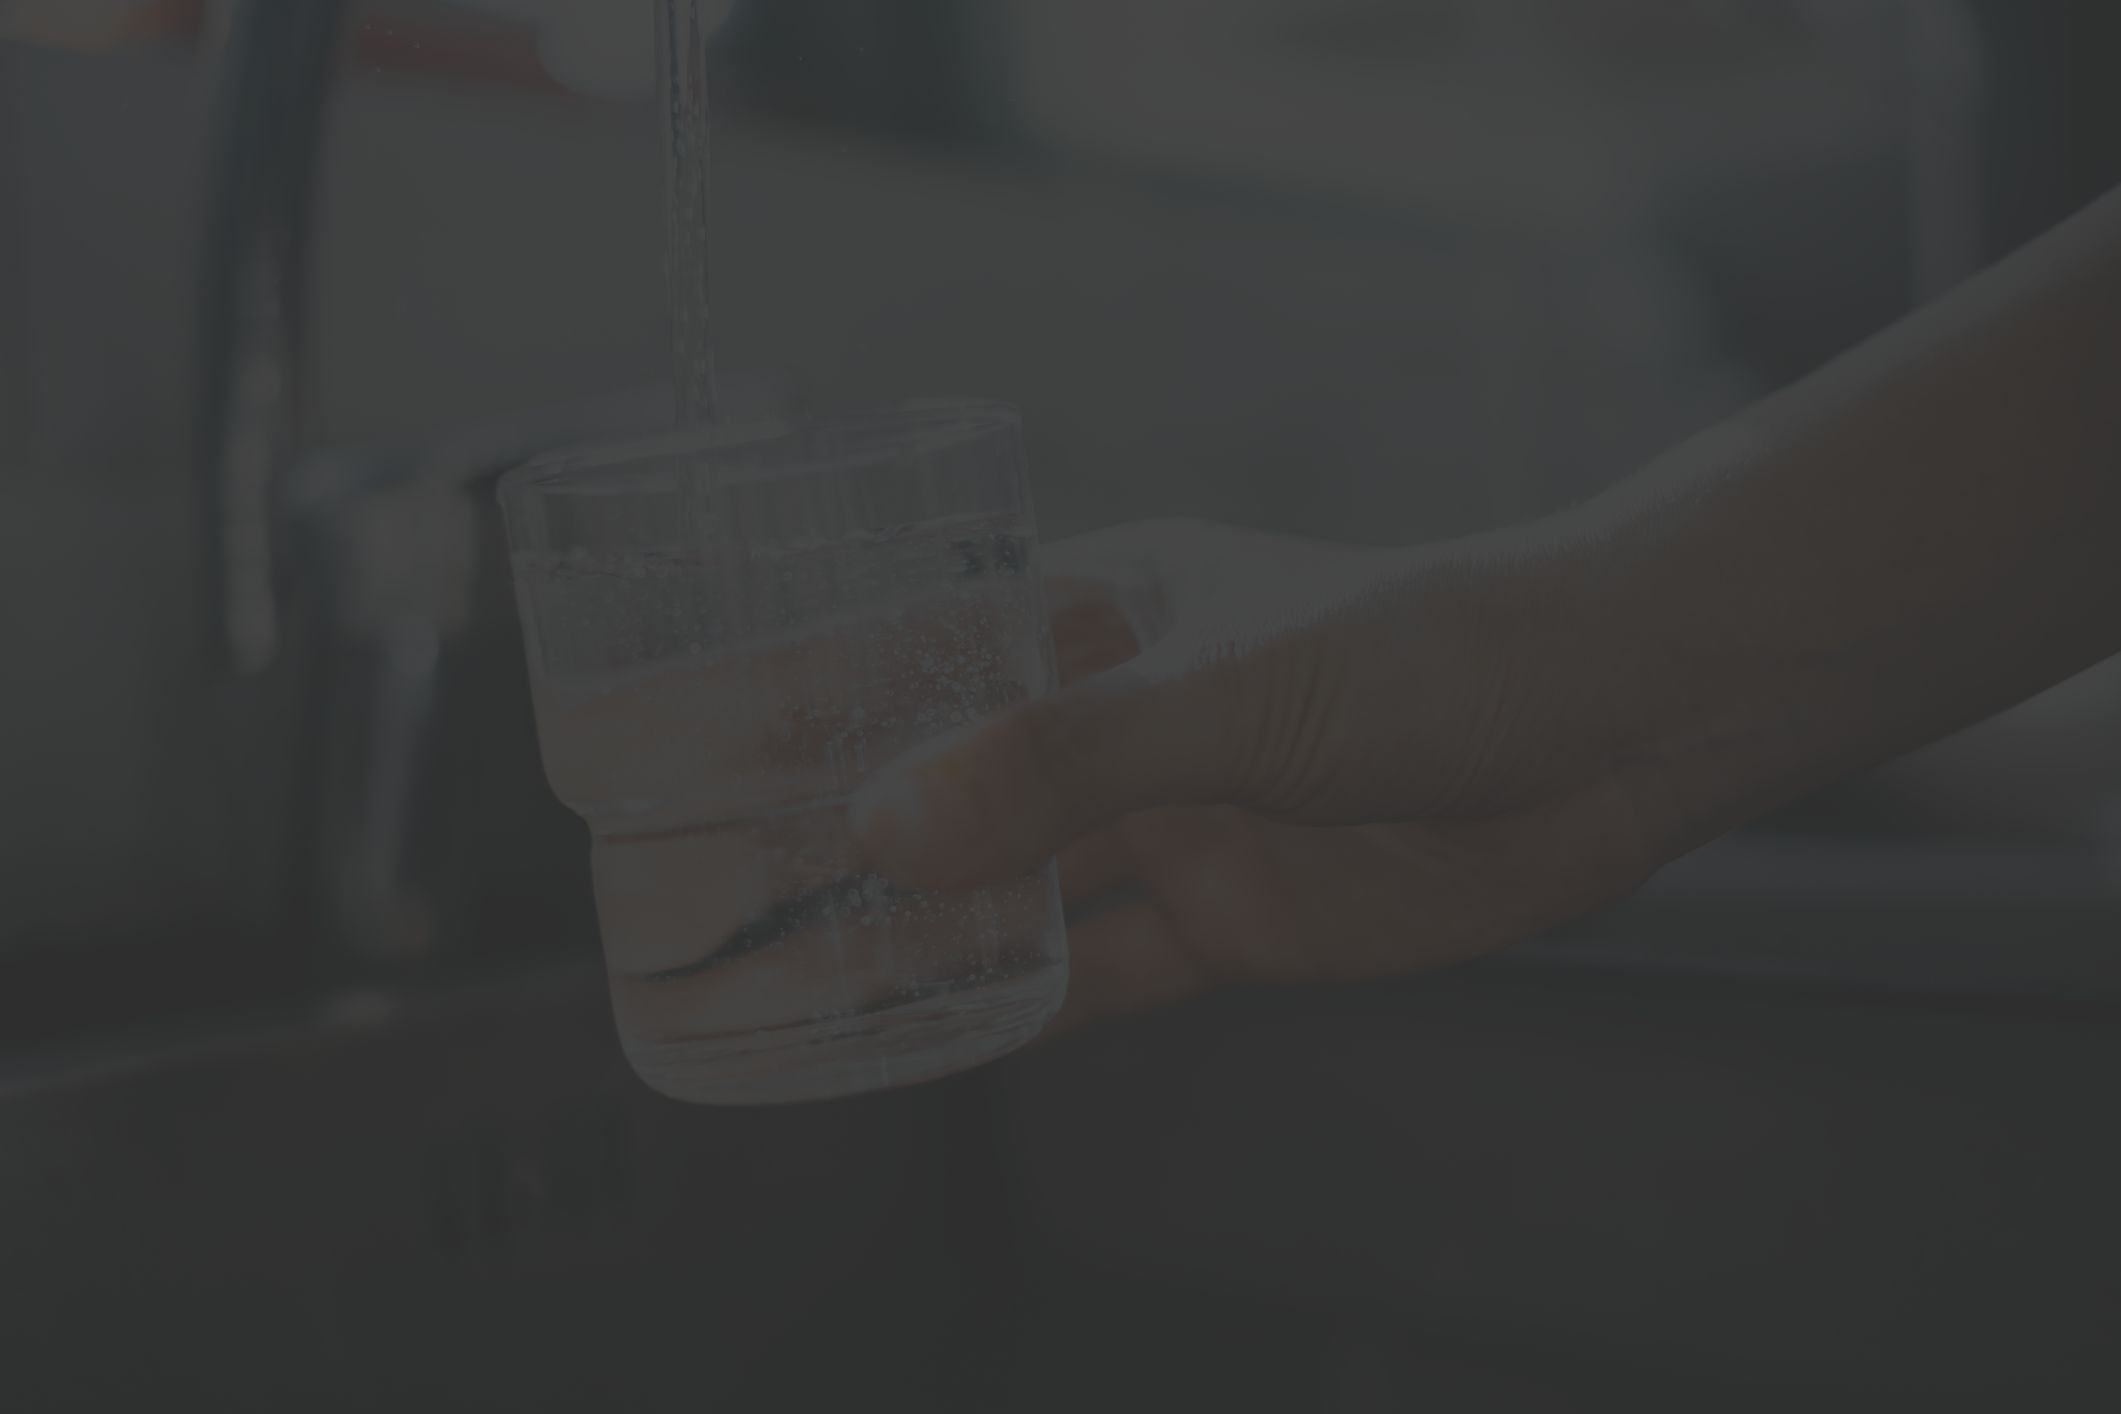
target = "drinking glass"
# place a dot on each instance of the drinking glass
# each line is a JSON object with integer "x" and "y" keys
{"x": 729, "y": 630}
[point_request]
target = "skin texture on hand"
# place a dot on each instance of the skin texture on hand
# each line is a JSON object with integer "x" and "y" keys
{"x": 1276, "y": 761}
{"x": 1287, "y": 761}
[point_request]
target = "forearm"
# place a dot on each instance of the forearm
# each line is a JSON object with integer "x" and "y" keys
{"x": 1921, "y": 535}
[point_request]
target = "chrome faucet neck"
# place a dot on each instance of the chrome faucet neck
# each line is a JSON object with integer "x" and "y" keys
{"x": 273, "y": 72}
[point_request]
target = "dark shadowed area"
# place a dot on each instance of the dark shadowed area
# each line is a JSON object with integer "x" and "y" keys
{"x": 310, "y": 1092}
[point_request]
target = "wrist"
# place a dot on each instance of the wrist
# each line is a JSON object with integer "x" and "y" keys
{"x": 1668, "y": 713}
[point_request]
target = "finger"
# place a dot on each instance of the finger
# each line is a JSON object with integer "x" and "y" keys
{"x": 1091, "y": 634}
{"x": 1096, "y": 865}
{"x": 1126, "y": 567}
{"x": 1130, "y": 550}
{"x": 1000, "y": 799}
{"x": 1124, "y": 962}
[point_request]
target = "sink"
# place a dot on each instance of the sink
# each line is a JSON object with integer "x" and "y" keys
{"x": 466, "y": 1201}
{"x": 1862, "y": 1201}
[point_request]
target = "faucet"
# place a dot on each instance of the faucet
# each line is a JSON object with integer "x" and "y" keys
{"x": 274, "y": 65}
{"x": 362, "y": 560}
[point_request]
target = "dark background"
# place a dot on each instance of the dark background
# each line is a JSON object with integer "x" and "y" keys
{"x": 309, "y": 1104}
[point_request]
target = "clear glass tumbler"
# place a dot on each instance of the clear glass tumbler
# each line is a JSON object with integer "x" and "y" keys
{"x": 730, "y": 630}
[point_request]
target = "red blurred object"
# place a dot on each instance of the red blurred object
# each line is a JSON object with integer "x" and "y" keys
{"x": 99, "y": 24}
{"x": 483, "y": 51}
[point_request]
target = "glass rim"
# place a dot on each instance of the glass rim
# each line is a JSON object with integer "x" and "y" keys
{"x": 591, "y": 462}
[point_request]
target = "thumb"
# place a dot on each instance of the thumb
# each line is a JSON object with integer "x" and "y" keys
{"x": 999, "y": 799}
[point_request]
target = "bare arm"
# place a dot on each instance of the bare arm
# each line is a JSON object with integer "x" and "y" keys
{"x": 1302, "y": 760}
{"x": 1919, "y": 536}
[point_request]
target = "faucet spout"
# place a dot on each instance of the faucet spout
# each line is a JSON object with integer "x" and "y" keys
{"x": 274, "y": 69}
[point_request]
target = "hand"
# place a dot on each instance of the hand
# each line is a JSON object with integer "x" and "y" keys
{"x": 1299, "y": 761}
{"x": 1278, "y": 761}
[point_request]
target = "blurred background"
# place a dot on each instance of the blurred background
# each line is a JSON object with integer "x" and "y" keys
{"x": 308, "y": 1097}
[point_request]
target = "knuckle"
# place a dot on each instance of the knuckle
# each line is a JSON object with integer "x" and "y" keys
{"x": 1287, "y": 735}
{"x": 1059, "y": 746}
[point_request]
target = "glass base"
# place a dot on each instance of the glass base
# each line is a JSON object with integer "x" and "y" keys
{"x": 907, "y": 1044}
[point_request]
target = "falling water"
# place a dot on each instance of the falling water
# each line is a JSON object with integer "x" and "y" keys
{"x": 682, "y": 30}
